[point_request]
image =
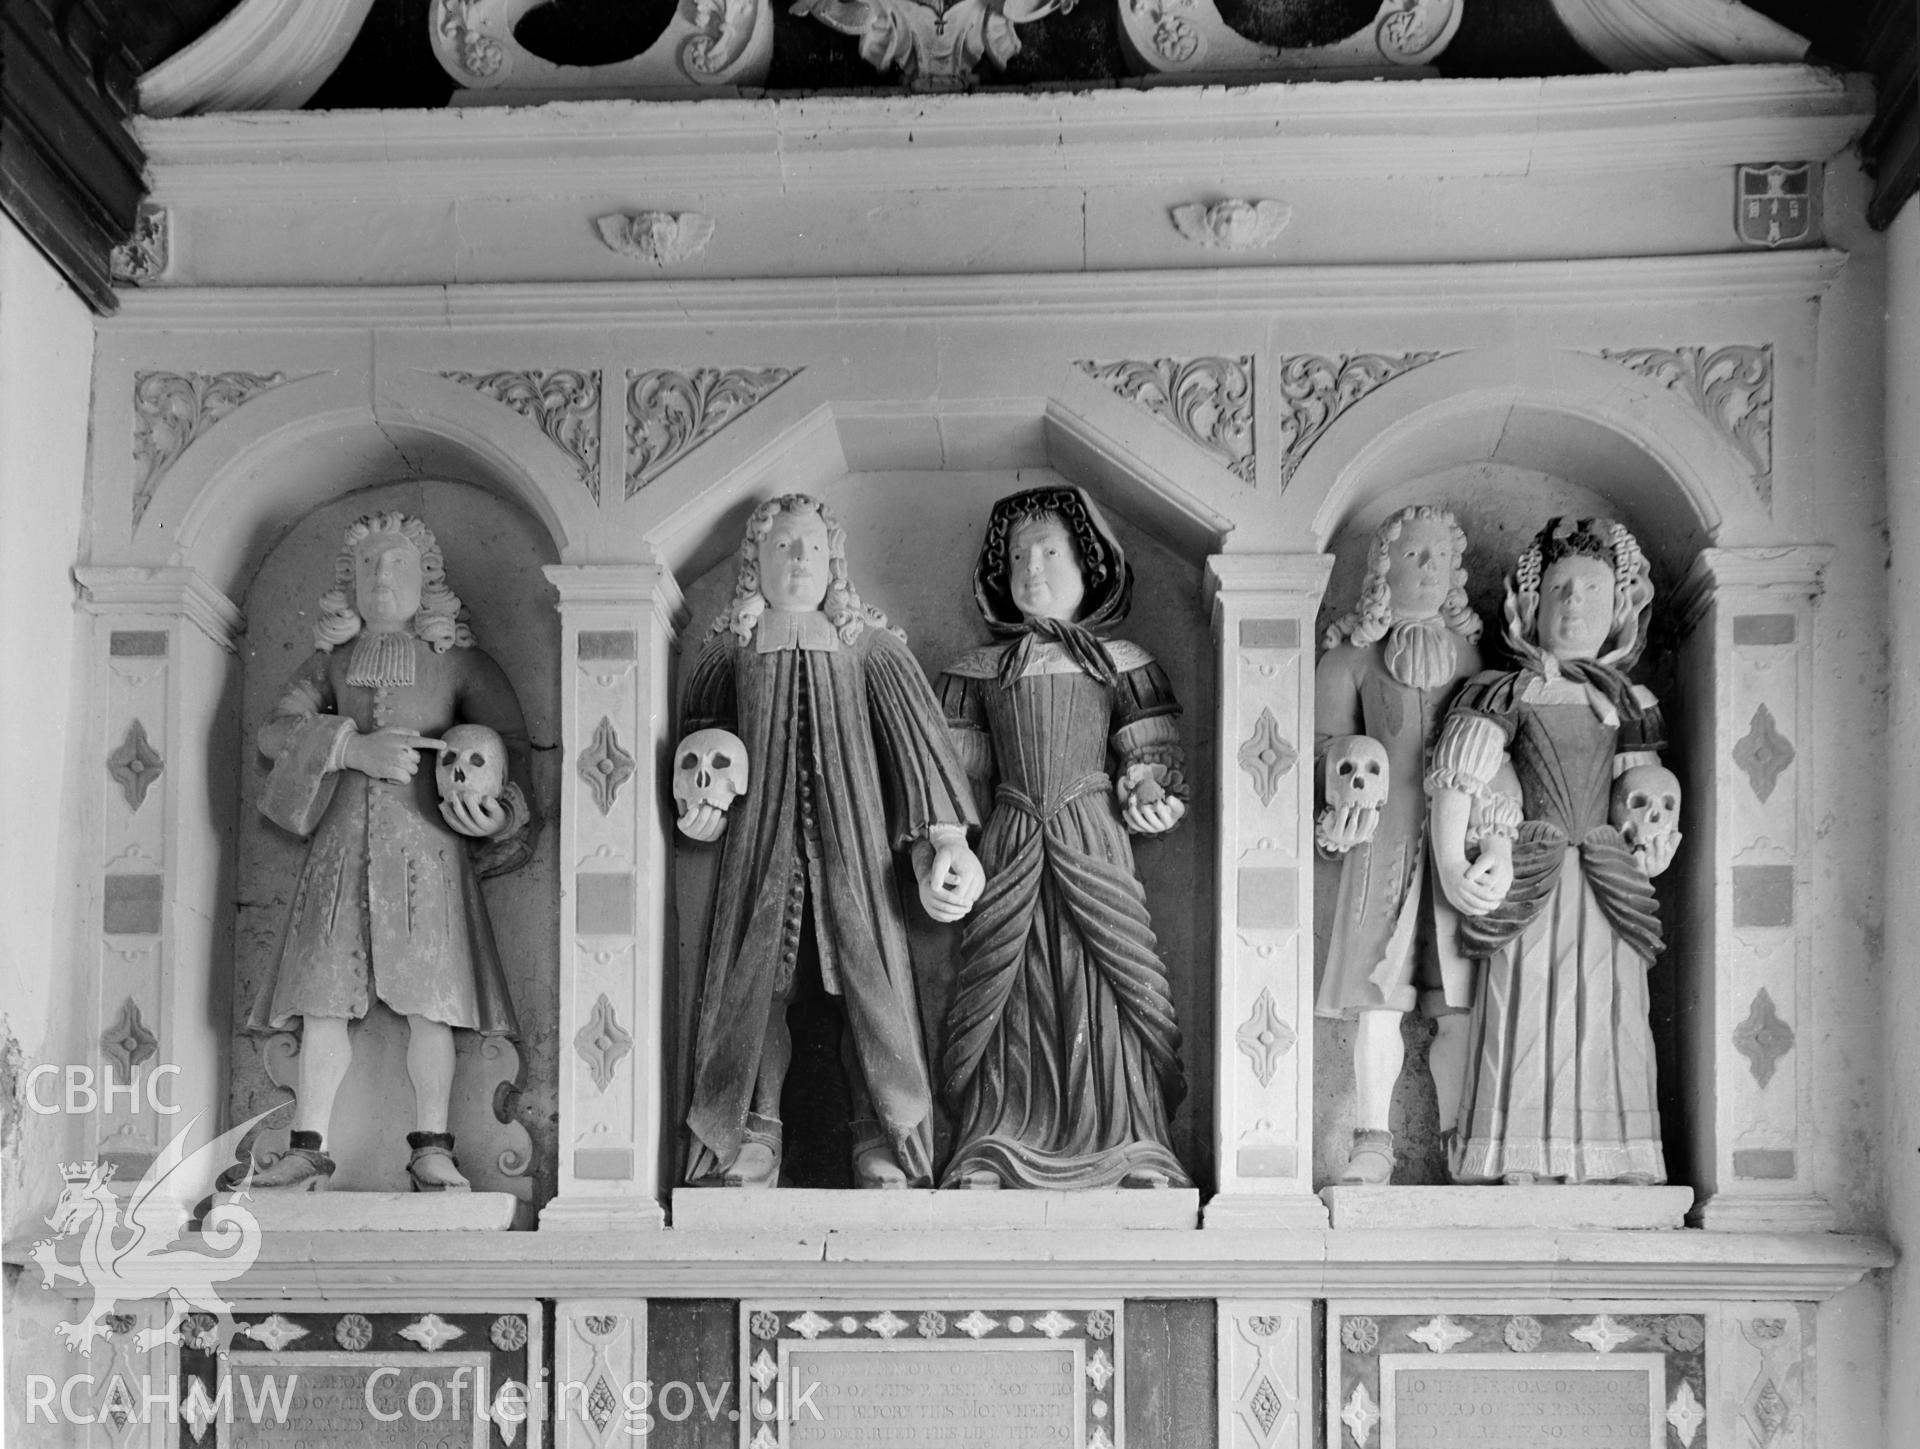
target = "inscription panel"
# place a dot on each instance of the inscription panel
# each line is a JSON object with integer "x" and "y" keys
{"x": 946, "y": 1374}
{"x": 952, "y": 1394}
{"x": 319, "y": 1400}
{"x": 1487, "y": 1401}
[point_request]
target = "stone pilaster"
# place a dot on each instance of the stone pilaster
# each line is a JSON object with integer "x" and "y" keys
{"x": 1745, "y": 953}
{"x": 1266, "y": 1374}
{"x": 159, "y": 773}
{"x": 600, "y": 1393}
{"x": 618, "y": 626}
{"x": 1264, "y": 607}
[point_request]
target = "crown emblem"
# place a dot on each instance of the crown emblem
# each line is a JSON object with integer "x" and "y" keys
{"x": 81, "y": 1172}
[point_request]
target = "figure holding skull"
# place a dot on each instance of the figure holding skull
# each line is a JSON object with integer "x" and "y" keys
{"x": 1389, "y": 669}
{"x": 388, "y": 903}
{"x": 816, "y": 747}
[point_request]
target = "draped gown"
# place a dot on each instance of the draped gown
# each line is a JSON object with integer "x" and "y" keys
{"x": 1560, "y": 1078}
{"x": 1062, "y": 1058}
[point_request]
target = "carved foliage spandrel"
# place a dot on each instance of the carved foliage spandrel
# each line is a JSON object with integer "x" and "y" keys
{"x": 171, "y": 409}
{"x": 670, "y": 413}
{"x": 1315, "y": 390}
{"x": 1731, "y": 386}
{"x": 565, "y": 403}
{"x": 1208, "y": 399}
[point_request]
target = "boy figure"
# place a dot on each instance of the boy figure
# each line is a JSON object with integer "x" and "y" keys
{"x": 1383, "y": 684}
{"x": 848, "y": 760}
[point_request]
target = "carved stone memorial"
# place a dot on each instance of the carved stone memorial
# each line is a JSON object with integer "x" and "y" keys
{"x": 1516, "y": 1379}
{"x": 961, "y": 1375}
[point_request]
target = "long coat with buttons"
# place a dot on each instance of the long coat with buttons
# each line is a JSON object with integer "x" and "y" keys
{"x": 848, "y": 759}
{"x": 388, "y": 903}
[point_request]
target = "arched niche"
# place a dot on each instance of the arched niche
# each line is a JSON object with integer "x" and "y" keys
{"x": 1729, "y": 657}
{"x": 249, "y": 477}
{"x": 504, "y": 1098}
{"x": 913, "y": 539}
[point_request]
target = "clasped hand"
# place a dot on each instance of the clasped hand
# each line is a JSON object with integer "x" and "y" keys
{"x": 951, "y": 880}
{"x": 1477, "y": 888}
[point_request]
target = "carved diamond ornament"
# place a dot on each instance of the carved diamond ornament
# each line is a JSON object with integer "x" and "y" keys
{"x": 1763, "y": 753}
{"x": 1603, "y": 1335}
{"x": 274, "y": 1331}
{"x": 1264, "y": 1406}
{"x": 565, "y": 404}
{"x": 1209, "y": 399}
{"x": 1360, "y": 1415}
{"x": 432, "y": 1332}
{"x": 135, "y": 764}
{"x": 510, "y": 1409}
{"x": 1266, "y": 756}
{"x": 810, "y": 1325}
{"x": 1763, "y": 1038}
{"x": 670, "y": 413}
{"x": 1686, "y": 1415}
{"x": 1265, "y": 1037}
{"x": 605, "y": 766}
{"x": 1053, "y": 1323}
{"x": 764, "y": 1371}
{"x": 1100, "y": 1370}
{"x": 1441, "y": 1334}
{"x": 976, "y": 1324}
{"x": 1316, "y": 390}
{"x": 887, "y": 1324}
{"x": 196, "y": 1408}
{"x": 128, "y": 1042}
{"x": 1732, "y": 387}
{"x": 602, "y": 1042}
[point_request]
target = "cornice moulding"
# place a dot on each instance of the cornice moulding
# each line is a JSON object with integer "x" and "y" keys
{"x": 1256, "y": 135}
{"x": 380, "y": 1268}
{"x": 1395, "y": 290}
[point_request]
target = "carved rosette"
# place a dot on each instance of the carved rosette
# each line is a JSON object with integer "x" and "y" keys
{"x": 1315, "y": 390}
{"x": 605, "y": 766}
{"x": 564, "y": 403}
{"x": 602, "y": 1042}
{"x": 143, "y": 256}
{"x": 1763, "y": 1038}
{"x": 670, "y": 413}
{"x": 1208, "y": 399}
{"x": 1731, "y": 387}
{"x": 128, "y": 1042}
{"x": 135, "y": 764}
{"x": 1763, "y": 753}
{"x": 171, "y": 409}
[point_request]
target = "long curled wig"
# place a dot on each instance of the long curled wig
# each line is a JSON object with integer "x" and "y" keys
{"x": 1595, "y": 538}
{"x": 1370, "y": 619}
{"x": 442, "y": 620}
{"x": 842, "y": 605}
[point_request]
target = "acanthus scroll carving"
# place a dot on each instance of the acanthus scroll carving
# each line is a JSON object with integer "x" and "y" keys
{"x": 1208, "y": 399}
{"x": 565, "y": 403}
{"x": 171, "y": 409}
{"x": 670, "y": 413}
{"x": 1315, "y": 390}
{"x": 1732, "y": 387}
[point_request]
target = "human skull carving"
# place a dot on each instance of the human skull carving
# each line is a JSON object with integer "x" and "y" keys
{"x": 1357, "y": 773}
{"x": 1646, "y": 804}
{"x": 472, "y": 767}
{"x": 709, "y": 768}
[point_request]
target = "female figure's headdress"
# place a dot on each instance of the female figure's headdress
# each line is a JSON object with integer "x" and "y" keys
{"x": 1103, "y": 570}
{"x": 1595, "y": 538}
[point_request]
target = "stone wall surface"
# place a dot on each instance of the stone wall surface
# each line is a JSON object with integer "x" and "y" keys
{"x": 1503, "y": 297}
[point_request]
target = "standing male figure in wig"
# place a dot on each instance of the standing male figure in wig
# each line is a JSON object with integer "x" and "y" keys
{"x": 388, "y": 903}
{"x": 1389, "y": 669}
{"x": 848, "y": 761}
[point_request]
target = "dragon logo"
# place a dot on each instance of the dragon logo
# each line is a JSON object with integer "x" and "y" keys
{"x": 131, "y": 1247}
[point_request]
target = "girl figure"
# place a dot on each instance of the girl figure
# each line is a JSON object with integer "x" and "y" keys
{"x": 1062, "y": 1057}
{"x": 1561, "y": 912}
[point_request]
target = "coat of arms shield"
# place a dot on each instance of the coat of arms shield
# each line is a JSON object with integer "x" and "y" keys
{"x": 1774, "y": 204}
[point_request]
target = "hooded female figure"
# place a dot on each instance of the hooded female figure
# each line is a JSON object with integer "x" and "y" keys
{"x": 1062, "y": 1058}
{"x": 1561, "y": 914}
